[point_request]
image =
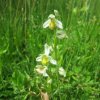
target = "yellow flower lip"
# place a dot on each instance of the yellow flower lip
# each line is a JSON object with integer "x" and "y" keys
{"x": 52, "y": 24}
{"x": 45, "y": 60}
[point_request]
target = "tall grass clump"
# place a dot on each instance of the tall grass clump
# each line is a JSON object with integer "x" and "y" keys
{"x": 54, "y": 60}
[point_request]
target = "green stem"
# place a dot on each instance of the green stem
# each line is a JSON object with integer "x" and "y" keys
{"x": 55, "y": 44}
{"x": 56, "y": 57}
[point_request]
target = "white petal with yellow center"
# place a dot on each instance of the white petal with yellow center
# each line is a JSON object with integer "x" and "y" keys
{"x": 52, "y": 23}
{"x": 45, "y": 58}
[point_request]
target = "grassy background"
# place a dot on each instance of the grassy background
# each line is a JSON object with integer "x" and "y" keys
{"x": 22, "y": 38}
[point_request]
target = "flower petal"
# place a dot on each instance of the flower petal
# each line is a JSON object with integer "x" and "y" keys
{"x": 45, "y": 74}
{"x": 62, "y": 72}
{"x": 61, "y": 34}
{"x": 46, "y": 23}
{"x": 39, "y": 58}
{"x": 56, "y": 12}
{"x": 59, "y": 24}
{"x": 51, "y": 16}
{"x": 41, "y": 69}
{"x": 47, "y": 49}
{"x": 52, "y": 61}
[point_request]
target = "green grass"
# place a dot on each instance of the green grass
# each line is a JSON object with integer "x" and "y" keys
{"x": 22, "y": 39}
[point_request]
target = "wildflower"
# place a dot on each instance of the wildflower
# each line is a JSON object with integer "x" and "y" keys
{"x": 45, "y": 58}
{"x": 62, "y": 72}
{"x": 61, "y": 34}
{"x": 52, "y": 23}
{"x": 41, "y": 70}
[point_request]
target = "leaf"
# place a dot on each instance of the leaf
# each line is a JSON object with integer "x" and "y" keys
{"x": 18, "y": 80}
{"x": 0, "y": 71}
{"x": 88, "y": 78}
{"x": 77, "y": 69}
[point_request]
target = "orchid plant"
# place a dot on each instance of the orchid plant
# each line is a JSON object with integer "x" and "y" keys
{"x": 45, "y": 61}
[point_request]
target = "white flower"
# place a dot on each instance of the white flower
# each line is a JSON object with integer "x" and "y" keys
{"x": 45, "y": 58}
{"x": 62, "y": 72}
{"x": 61, "y": 34}
{"x": 52, "y": 23}
{"x": 41, "y": 70}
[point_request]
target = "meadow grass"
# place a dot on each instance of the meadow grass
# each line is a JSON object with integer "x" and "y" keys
{"x": 22, "y": 39}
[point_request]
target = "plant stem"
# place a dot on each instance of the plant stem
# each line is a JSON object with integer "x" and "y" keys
{"x": 55, "y": 44}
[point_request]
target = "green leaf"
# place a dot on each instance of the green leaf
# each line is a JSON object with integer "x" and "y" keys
{"x": 18, "y": 80}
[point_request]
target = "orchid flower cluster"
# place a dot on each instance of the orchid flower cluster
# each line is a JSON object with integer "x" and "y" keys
{"x": 54, "y": 24}
{"x": 45, "y": 59}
